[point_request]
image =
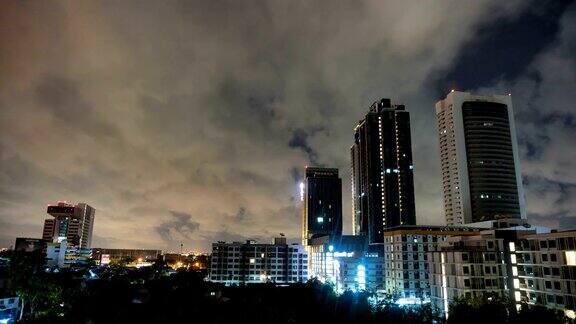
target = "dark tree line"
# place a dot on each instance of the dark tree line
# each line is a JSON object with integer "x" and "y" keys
{"x": 150, "y": 295}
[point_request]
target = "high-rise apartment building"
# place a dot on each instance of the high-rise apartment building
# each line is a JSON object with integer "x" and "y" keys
{"x": 321, "y": 193}
{"x": 382, "y": 171}
{"x": 481, "y": 177}
{"x": 71, "y": 222}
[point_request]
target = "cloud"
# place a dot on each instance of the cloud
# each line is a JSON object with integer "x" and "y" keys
{"x": 544, "y": 96}
{"x": 214, "y": 108}
{"x": 178, "y": 226}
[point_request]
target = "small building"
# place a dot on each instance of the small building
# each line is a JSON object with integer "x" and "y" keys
{"x": 104, "y": 256}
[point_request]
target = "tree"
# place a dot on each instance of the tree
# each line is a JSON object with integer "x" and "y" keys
{"x": 487, "y": 308}
{"x": 29, "y": 282}
{"x": 537, "y": 314}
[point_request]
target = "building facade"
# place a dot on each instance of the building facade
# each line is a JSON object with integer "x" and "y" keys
{"x": 60, "y": 254}
{"x": 406, "y": 251}
{"x": 481, "y": 177}
{"x": 382, "y": 171}
{"x": 75, "y": 223}
{"x": 348, "y": 262}
{"x": 322, "y": 198}
{"x": 525, "y": 265}
{"x": 544, "y": 269}
{"x": 250, "y": 262}
{"x": 104, "y": 256}
{"x": 468, "y": 267}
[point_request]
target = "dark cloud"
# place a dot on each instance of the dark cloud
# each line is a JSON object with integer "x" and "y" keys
{"x": 508, "y": 46}
{"x": 299, "y": 141}
{"x": 241, "y": 215}
{"x": 179, "y": 226}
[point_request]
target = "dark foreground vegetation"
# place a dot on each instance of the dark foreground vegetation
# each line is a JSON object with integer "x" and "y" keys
{"x": 153, "y": 295}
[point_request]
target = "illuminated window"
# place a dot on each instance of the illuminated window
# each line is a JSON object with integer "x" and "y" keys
{"x": 252, "y": 261}
{"x": 571, "y": 258}
{"x": 320, "y": 219}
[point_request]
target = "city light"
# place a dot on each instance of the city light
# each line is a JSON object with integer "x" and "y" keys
{"x": 361, "y": 276}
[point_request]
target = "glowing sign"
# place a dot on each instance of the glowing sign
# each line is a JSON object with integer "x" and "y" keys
{"x": 301, "y": 191}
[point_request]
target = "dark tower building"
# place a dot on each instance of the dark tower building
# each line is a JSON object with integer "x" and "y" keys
{"x": 382, "y": 171}
{"x": 321, "y": 193}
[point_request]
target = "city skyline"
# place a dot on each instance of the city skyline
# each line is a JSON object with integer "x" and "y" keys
{"x": 197, "y": 131}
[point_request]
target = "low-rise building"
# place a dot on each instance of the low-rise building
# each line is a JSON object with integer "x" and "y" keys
{"x": 105, "y": 256}
{"x": 239, "y": 263}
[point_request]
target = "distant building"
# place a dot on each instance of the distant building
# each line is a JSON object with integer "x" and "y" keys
{"x": 348, "y": 262}
{"x": 75, "y": 223}
{"x": 382, "y": 171}
{"x": 26, "y": 244}
{"x": 481, "y": 177}
{"x": 105, "y": 256}
{"x": 62, "y": 255}
{"x": 406, "y": 259}
{"x": 250, "y": 262}
{"x": 322, "y": 197}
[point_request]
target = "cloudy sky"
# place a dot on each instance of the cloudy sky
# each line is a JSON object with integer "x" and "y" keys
{"x": 191, "y": 121}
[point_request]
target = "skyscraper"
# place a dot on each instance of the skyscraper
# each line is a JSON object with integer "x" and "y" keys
{"x": 321, "y": 193}
{"x": 382, "y": 171}
{"x": 73, "y": 222}
{"x": 478, "y": 150}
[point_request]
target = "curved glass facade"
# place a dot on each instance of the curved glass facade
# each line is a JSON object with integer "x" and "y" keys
{"x": 490, "y": 161}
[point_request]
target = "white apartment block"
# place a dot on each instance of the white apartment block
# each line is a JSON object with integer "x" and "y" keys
{"x": 481, "y": 177}
{"x": 250, "y": 262}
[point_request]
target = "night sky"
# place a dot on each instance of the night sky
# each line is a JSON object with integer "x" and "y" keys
{"x": 191, "y": 121}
